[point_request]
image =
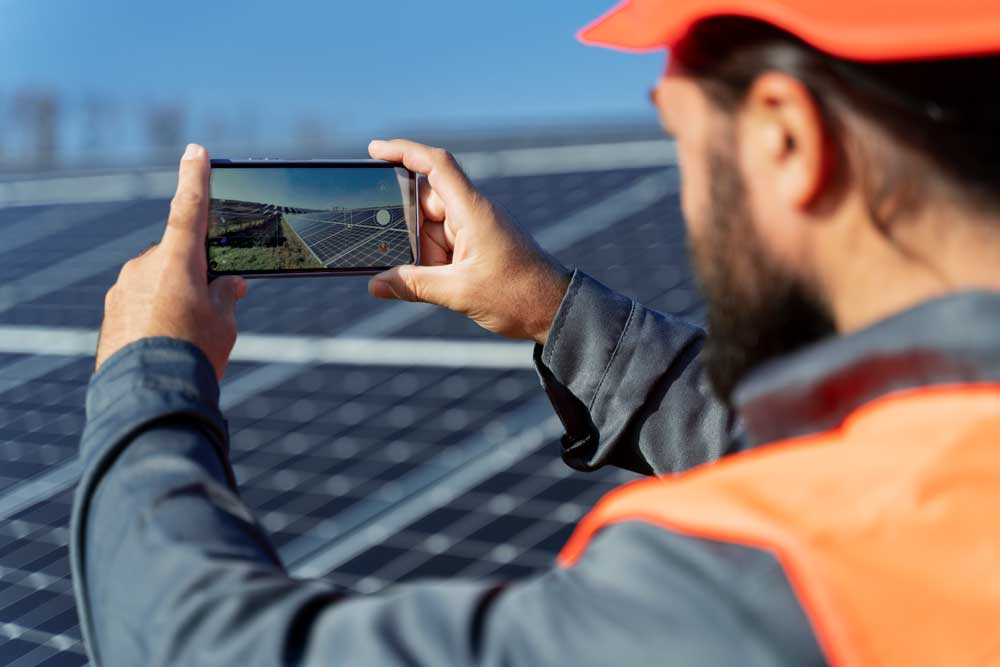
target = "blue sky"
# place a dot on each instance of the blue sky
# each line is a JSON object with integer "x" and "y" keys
{"x": 356, "y": 68}
{"x": 309, "y": 188}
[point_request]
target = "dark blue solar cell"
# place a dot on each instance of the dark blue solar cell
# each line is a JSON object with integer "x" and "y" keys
{"x": 12, "y": 649}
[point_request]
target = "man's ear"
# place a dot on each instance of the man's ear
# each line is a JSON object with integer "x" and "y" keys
{"x": 784, "y": 134}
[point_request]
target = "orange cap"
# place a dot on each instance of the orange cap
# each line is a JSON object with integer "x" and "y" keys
{"x": 869, "y": 30}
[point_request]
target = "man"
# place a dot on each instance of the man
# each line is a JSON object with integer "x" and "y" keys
{"x": 842, "y": 195}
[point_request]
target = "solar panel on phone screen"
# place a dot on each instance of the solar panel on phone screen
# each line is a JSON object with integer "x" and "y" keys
{"x": 355, "y": 237}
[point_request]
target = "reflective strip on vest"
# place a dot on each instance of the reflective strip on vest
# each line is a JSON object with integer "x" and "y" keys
{"x": 888, "y": 527}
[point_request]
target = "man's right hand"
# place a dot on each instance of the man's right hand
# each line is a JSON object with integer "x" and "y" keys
{"x": 474, "y": 259}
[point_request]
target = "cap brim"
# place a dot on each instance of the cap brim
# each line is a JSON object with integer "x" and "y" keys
{"x": 623, "y": 28}
{"x": 836, "y": 29}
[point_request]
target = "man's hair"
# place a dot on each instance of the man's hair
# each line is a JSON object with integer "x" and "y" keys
{"x": 939, "y": 117}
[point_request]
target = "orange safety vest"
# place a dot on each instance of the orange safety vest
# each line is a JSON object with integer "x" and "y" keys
{"x": 888, "y": 527}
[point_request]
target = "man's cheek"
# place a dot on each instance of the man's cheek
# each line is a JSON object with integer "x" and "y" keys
{"x": 692, "y": 208}
{"x": 694, "y": 188}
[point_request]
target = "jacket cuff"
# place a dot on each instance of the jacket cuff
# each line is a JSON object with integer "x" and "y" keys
{"x": 586, "y": 333}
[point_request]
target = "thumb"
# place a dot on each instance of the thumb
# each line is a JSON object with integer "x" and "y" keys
{"x": 430, "y": 284}
{"x": 226, "y": 291}
{"x": 187, "y": 224}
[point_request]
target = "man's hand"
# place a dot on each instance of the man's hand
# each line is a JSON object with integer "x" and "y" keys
{"x": 474, "y": 259}
{"x": 165, "y": 291}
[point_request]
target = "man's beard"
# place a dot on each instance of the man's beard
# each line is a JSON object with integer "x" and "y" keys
{"x": 757, "y": 310}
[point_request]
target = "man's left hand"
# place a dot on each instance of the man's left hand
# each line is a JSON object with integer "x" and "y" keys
{"x": 165, "y": 291}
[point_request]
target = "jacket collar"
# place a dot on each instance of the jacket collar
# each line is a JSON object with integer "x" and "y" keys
{"x": 949, "y": 340}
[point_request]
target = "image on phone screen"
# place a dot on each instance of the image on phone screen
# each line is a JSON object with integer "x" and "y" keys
{"x": 301, "y": 218}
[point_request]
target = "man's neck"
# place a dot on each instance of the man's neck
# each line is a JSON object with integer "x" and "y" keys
{"x": 923, "y": 261}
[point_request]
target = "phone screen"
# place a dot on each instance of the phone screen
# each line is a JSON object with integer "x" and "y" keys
{"x": 281, "y": 218}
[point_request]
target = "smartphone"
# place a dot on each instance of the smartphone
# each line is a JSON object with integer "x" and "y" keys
{"x": 280, "y": 218}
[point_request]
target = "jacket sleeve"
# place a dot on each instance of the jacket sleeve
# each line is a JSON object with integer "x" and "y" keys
{"x": 629, "y": 386}
{"x": 171, "y": 568}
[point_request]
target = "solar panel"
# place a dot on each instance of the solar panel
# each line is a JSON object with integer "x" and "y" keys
{"x": 366, "y": 474}
{"x": 355, "y": 237}
{"x": 508, "y": 526}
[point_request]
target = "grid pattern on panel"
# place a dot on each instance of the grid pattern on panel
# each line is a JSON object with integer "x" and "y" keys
{"x": 355, "y": 237}
{"x": 507, "y": 527}
{"x": 333, "y": 437}
{"x": 536, "y": 202}
{"x": 38, "y": 622}
{"x": 40, "y": 419}
{"x": 60, "y": 278}
{"x": 644, "y": 257}
{"x": 45, "y": 235}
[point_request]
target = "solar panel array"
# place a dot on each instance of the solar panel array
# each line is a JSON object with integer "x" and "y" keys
{"x": 367, "y": 473}
{"x": 353, "y": 238}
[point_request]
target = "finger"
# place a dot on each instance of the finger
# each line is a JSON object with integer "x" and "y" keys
{"x": 440, "y": 167}
{"x": 434, "y": 246}
{"x": 430, "y": 284}
{"x": 430, "y": 203}
{"x": 188, "y": 221}
{"x": 227, "y": 291}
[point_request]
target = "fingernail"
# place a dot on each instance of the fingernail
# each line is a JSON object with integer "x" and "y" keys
{"x": 192, "y": 152}
{"x": 375, "y": 142}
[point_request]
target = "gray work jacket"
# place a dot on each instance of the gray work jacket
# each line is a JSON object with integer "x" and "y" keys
{"x": 172, "y": 568}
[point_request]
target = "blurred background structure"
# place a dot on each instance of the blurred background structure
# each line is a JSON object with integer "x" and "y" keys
{"x": 378, "y": 442}
{"x": 110, "y": 83}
